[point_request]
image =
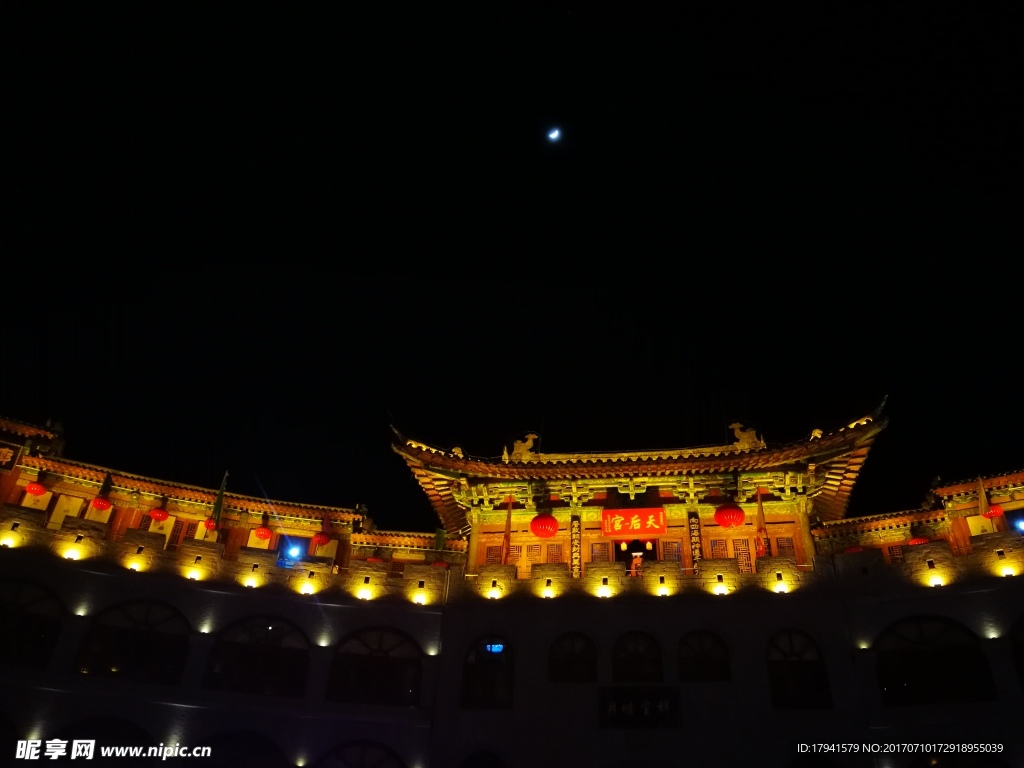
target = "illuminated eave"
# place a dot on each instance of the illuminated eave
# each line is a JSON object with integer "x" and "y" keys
{"x": 124, "y": 483}
{"x": 838, "y": 457}
{"x": 24, "y": 430}
{"x": 968, "y": 489}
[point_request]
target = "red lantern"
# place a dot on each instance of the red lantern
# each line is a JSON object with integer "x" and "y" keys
{"x": 854, "y": 548}
{"x": 263, "y": 532}
{"x": 375, "y": 560}
{"x": 101, "y": 504}
{"x": 210, "y": 523}
{"x": 993, "y": 511}
{"x": 544, "y": 525}
{"x": 320, "y": 539}
{"x": 730, "y": 515}
{"x": 918, "y": 540}
{"x": 439, "y": 564}
{"x": 35, "y": 489}
{"x": 159, "y": 514}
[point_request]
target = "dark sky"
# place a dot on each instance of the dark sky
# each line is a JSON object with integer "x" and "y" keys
{"x": 254, "y": 239}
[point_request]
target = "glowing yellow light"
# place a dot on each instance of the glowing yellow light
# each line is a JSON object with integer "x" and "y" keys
{"x": 419, "y": 598}
{"x": 781, "y": 588}
{"x": 251, "y": 582}
{"x": 494, "y": 594}
{"x": 431, "y": 650}
{"x": 194, "y": 574}
{"x": 993, "y": 634}
{"x": 133, "y": 566}
{"x": 863, "y": 645}
{"x": 936, "y": 581}
{"x": 300, "y": 761}
{"x": 604, "y": 591}
{"x": 307, "y": 588}
{"x": 364, "y": 594}
{"x": 721, "y": 589}
{"x": 71, "y": 554}
{"x": 1009, "y": 572}
{"x": 547, "y": 592}
{"x": 8, "y": 542}
{"x": 662, "y": 591}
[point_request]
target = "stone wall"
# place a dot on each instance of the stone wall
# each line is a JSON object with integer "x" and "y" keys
{"x": 550, "y": 579}
{"x": 933, "y": 564}
{"x": 998, "y": 554}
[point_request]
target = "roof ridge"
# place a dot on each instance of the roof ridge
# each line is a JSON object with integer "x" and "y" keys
{"x": 116, "y": 473}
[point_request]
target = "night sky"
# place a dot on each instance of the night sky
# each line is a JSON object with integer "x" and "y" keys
{"x": 255, "y": 240}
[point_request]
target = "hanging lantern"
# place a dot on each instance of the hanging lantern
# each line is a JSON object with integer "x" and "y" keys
{"x": 210, "y": 523}
{"x": 622, "y": 546}
{"x": 730, "y": 515}
{"x": 994, "y": 510}
{"x": 101, "y": 502}
{"x": 918, "y": 540}
{"x": 321, "y": 539}
{"x": 159, "y": 514}
{"x": 544, "y": 525}
{"x": 263, "y": 533}
{"x": 372, "y": 559}
{"x": 35, "y": 489}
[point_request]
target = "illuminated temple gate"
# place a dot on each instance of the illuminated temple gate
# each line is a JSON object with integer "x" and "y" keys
{"x": 724, "y": 502}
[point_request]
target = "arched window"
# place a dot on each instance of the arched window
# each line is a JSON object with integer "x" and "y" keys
{"x": 248, "y": 748}
{"x": 360, "y": 754}
{"x": 377, "y": 666}
{"x": 1017, "y": 644}
{"x": 103, "y": 730}
{"x": 484, "y": 759}
{"x": 796, "y": 672}
{"x": 259, "y": 655}
{"x": 31, "y": 618}
{"x": 636, "y": 658}
{"x": 572, "y": 659}
{"x": 703, "y": 656}
{"x": 918, "y": 659}
{"x": 487, "y": 675}
{"x": 142, "y": 641}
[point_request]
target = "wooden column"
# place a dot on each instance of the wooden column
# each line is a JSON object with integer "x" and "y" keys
{"x": 960, "y": 536}
{"x": 471, "y": 550}
{"x": 804, "y": 558}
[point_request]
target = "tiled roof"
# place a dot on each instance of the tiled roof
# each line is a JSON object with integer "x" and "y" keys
{"x": 838, "y": 457}
{"x": 969, "y": 488}
{"x": 128, "y": 483}
{"x": 403, "y": 539}
{"x": 878, "y": 522}
{"x": 25, "y": 430}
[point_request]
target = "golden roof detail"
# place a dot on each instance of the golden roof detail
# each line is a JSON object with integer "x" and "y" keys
{"x": 129, "y": 483}
{"x": 832, "y": 461}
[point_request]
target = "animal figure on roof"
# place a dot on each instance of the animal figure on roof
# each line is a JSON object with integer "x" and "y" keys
{"x": 746, "y": 438}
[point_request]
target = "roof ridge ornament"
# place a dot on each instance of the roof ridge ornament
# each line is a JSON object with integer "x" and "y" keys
{"x": 521, "y": 449}
{"x": 746, "y": 438}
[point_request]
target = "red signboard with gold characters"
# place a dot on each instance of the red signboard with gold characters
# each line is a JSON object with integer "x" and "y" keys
{"x": 633, "y": 522}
